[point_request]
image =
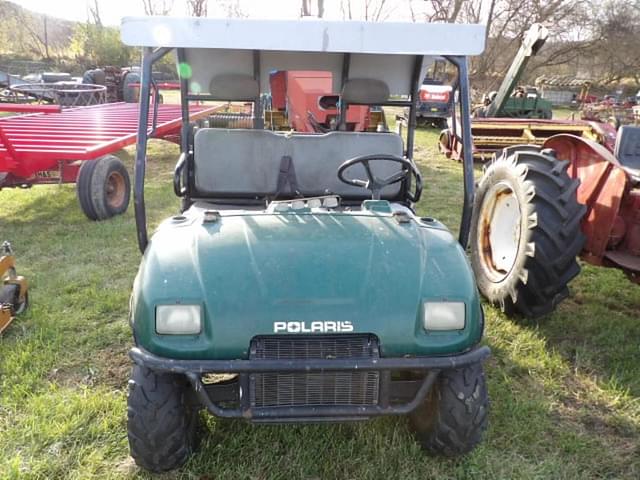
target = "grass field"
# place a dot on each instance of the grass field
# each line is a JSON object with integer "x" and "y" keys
{"x": 565, "y": 391}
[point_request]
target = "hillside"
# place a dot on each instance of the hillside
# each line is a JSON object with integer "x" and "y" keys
{"x": 29, "y": 35}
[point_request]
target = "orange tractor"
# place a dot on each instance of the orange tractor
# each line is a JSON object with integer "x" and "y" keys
{"x": 13, "y": 288}
{"x": 538, "y": 207}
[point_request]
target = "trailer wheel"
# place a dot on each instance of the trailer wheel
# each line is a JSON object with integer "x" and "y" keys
{"x": 525, "y": 231}
{"x": 103, "y": 188}
{"x": 161, "y": 427}
{"x": 83, "y": 189}
{"x": 452, "y": 419}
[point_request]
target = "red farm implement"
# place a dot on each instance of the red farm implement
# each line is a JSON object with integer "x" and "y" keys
{"x": 610, "y": 189}
{"x": 305, "y": 102}
{"x": 54, "y": 145}
{"x": 491, "y": 135}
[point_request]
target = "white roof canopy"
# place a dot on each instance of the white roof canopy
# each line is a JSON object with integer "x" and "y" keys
{"x": 305, "y": 35}
{"x": 384, "y": 51}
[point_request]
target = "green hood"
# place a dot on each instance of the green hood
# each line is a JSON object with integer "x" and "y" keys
{"x": 251, "y": 270}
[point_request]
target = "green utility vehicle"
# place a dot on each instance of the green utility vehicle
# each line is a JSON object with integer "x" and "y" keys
{"x": 297, "y": 284}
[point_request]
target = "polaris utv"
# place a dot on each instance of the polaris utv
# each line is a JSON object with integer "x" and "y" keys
{"x": 297, "y": 284}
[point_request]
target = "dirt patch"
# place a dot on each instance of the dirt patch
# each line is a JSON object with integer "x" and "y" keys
{"x": 110, "y": 366}
{"x": 72, "y": 376}
{"x": 114, "y": 366}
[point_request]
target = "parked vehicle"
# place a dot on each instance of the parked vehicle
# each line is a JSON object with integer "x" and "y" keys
{"x": 297, "y": 284}
{"x": 435, "y": 100}
{"x": 511, "y": 100}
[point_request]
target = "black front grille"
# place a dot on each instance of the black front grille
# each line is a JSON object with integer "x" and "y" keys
{"x": 315, "y": 388}
{"x": 291, "y": 347}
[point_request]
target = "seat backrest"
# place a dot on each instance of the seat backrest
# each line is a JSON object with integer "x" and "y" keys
{"x": 627, "y": 149}
{"x": 236, "y": 163}
{"x": 366, "y": 91}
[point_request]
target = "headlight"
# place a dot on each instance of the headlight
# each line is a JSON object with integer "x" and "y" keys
{"x": 437, "y": 316}
{"x": 178, "y": 319}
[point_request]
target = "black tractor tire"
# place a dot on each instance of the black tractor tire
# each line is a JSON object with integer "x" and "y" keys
{"x": 83, "y": 186}
{"x": 453, "y": 418}
{"x": 103, "y": 187}
{"x": 162, "y": 426}
{"x": 545, "y": 235}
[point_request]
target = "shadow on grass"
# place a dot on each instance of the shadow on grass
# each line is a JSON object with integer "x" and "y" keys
{"x": 43, "y": 203}
{"x": 597, "y": 329}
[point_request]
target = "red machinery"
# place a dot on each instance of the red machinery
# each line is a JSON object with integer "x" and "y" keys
{"x": 58, "y": 147}
{"x": 610, "y": 188}
{"x": 538, "y": 207}
{"x": 306, "y": 98}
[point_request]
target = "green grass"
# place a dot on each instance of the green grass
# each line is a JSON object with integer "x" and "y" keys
{"x": 565, "y": 391}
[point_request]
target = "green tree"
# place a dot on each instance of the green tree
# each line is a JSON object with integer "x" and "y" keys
{"x": 99, "y": 45}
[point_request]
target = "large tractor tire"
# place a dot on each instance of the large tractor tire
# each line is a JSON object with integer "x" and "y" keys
{"x": 103, "y": 187}
{"x": 162, "y": 426}
{"x": 525, "y": 232}
{"x": 452, "y": 419}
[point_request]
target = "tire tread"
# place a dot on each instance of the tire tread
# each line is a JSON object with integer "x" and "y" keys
{"x": 161, "y": 428}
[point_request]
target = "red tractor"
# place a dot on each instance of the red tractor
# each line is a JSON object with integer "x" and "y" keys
{"x": 537, "y": 208}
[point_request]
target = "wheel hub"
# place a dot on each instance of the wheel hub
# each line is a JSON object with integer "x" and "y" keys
{"x": 500, "y": 223}
{"x": 115, "y": 189}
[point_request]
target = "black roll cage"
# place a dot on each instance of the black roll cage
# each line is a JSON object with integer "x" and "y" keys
{"x": 148, "y": 87}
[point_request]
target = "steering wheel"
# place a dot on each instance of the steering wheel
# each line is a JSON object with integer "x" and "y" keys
{"x": 376, "y": 184}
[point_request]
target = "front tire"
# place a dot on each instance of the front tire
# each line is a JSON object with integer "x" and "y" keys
{"x": 162, "y": 426}
{"x": 453, "y": 418}
{"x": 525, "y": 231}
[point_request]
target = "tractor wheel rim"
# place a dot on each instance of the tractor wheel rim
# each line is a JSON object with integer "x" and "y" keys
{"x": 500, "y": 231}
{"x": 116, "y": 189}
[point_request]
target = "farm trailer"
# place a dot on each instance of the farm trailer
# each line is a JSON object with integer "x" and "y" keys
{"x": 76, "y": 145}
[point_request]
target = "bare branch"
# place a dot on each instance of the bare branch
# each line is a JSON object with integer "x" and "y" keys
{"x": 197, "y": 8}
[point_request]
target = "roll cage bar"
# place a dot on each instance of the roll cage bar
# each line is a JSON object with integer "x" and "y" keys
{"x": 148, "y": 88}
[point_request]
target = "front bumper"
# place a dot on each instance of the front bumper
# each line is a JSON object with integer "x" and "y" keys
{"x": 396, "y": 397}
